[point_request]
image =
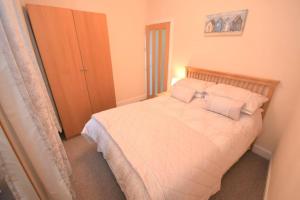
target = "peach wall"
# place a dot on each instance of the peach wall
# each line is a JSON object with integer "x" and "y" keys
{"x": 126, "y": 25}
{"x": 269, "y": 48}
{"x": 284, "y": 173}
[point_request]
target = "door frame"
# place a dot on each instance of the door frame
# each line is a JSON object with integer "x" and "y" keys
{"x": 152, "y": 27}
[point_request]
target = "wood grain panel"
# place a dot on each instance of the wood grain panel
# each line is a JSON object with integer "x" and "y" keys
{"x": 166, "y": 64}
{"x": 92, "y": 33}
{"x": 148, "y": 62}
{"x": 159, "y": 61}
{"x": 57, "y": 42}
{"x": 153, "y": 62}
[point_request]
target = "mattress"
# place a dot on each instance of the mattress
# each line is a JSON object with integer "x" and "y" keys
{"x": 165, "y": 149}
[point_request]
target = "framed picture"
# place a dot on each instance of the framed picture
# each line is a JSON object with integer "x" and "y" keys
{"x": 228, "y": 23}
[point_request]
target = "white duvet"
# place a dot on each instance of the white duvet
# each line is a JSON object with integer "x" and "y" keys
{"x": 166, "y": 149}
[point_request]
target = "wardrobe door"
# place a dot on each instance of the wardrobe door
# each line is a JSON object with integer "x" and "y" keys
{"x": 55, "y": 35}
{"x": 93, "y": 40}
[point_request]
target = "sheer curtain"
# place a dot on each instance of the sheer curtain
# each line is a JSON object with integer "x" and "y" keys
{"x": 26, "y": 110}
{"x": 11, "y": 167}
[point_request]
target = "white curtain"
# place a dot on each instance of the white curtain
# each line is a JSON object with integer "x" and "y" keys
{"x": 26, "y": 109}
{"x": 10, "y": 166}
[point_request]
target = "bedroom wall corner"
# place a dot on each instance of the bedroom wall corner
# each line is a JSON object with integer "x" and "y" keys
{"x": 284, "y": 175}
{"x": 268, "y": 48}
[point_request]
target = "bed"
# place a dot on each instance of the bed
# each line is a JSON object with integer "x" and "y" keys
{"x": 164, "y": 149}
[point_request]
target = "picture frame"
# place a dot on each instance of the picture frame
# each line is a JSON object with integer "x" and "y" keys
{"x": 226, "y": 23}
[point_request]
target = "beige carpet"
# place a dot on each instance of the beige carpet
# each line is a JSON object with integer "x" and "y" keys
{"x": 93, "y": 179}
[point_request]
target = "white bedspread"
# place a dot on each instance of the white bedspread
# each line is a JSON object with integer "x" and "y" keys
{"x": 165, "y": 149}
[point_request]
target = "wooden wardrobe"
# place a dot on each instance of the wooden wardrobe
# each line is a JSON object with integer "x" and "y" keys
{"x": 74, "y": 48}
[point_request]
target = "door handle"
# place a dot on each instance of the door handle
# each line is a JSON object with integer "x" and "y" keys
{"x": 83, "y": 70}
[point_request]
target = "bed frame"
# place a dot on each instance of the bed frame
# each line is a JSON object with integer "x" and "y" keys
{"x": 261, "y": 86}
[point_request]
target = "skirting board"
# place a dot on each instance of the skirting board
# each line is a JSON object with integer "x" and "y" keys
{"x": 262, "y": 152}
{"x": 132, "y": 100}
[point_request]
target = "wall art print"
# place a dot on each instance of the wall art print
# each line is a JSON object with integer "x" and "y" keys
{"x": 227, "y": 23}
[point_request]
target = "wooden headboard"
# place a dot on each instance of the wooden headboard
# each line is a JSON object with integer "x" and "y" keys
{"x": 261, "y": 86}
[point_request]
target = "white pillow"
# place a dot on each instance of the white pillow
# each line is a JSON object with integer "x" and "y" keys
{"x": 224, "y": 106}
{"x": 252, "y": 100}
{"x": 199, "y": 85}
{"x": 182, "y": 93}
